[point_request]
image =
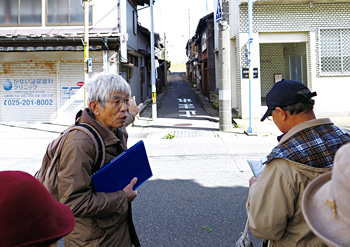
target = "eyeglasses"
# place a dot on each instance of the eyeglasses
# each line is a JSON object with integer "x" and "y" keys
{"x": 118, "y": 102}
{"x": 269, "y": 117}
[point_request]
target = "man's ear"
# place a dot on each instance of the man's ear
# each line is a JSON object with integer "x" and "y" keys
{"x": 283, "y": 113}
{"x": 95, "y": 107}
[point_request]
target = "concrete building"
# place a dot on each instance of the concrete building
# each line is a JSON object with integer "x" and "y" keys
{"x": 300, "y": 40}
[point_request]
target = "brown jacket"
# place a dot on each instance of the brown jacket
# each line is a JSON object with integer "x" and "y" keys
{"x": 102, "y": 219}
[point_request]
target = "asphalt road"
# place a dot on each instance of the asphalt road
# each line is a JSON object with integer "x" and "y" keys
{"x": 199, "y": 189}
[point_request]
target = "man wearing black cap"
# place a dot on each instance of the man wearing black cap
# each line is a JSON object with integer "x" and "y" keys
{"x": 305, "y": 150}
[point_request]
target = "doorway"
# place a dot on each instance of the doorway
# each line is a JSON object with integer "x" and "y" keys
{"x": 295, "y": 67}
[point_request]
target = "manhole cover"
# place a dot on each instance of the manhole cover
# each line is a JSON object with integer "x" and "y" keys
{"x": 182, "y": 124}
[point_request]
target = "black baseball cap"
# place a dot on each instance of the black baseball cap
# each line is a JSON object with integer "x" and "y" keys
{"x": 285, "y": 93}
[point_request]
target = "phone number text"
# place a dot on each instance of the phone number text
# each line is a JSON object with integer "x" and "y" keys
{"x": 16, "y": 102}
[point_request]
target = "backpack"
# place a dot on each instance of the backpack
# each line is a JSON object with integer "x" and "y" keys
{"x": 48, "y": 173}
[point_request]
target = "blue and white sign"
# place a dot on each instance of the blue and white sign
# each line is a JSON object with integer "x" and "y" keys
{"x": 27, "y": 92}
{"x": 90, "y": 65}
{"x": 219, "y": 12}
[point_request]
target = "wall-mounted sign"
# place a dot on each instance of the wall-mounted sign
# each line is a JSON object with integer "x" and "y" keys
{"x": 255, "y": 73}
{"x": 278, "y": 77}
{"x": 90, "y": 65}
{"x": 245, "y": 73}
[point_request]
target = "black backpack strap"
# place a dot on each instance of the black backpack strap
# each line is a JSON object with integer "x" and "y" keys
{"x": 77, "y": 116}
{"x": 100, "y": 145}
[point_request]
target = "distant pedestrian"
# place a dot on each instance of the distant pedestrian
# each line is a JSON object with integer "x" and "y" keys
{"x": 305, "y": 150}
{"x": 30, "y": 216}
{"x": 326, "y": 202}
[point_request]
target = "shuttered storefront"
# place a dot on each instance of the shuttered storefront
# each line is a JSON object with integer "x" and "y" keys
{"x": 71, "y": 94}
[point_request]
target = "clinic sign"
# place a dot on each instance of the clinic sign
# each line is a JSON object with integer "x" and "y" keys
{"x": 27, "y": 92}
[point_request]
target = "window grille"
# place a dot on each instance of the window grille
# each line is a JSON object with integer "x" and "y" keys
{"x": 334, "y": 51}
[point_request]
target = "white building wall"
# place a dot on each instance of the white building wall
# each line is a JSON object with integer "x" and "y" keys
{"x": 105, "y": 14}
{"x": 293, "y": 20}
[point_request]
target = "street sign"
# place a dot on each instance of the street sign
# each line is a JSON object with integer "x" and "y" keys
{"x": 219, "y": 12}
{"x": 80, "y": 83}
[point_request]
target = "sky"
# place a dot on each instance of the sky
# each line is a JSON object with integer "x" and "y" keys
{"x": 178, "y": 20}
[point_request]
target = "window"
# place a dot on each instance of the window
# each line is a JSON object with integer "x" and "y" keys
{"x": 66, "y": 12}
{"x": 127, "y": 73}
{"x": 20, "y": 12}
{"x": 134, "y": 20}
{"x": 204, "y": 41}
{"x": 335, "y": 51}
{"x": 133, "y": 59}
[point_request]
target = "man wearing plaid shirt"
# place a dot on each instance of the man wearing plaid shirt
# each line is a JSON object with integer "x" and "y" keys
{"x": 305, "y": 150}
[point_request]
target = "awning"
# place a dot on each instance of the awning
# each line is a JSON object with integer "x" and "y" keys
{"x": 46, "y": 39}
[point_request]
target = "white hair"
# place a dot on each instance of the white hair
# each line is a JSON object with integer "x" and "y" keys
{"x": 100, "y": 87}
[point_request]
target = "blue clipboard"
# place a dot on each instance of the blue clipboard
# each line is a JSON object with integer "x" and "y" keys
{"x": 121, "y": 170}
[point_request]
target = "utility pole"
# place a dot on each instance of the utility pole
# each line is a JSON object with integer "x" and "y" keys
{"x": 153, "y": 74}
{"x": 225, "y": 109}
{"x": 165, "y": 63}
{"x": 86, "y": 47}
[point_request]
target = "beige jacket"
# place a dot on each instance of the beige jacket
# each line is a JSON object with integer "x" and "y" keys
{"x": 274, "y": 204}
{"x": 102, "y": 219}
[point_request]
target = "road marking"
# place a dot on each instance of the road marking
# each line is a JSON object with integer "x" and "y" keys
{"x": 186, "y": 106}
{"x": 184, "y": 100}
{"x": 188, "y": 113}
{"x": 183, "y": 105}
